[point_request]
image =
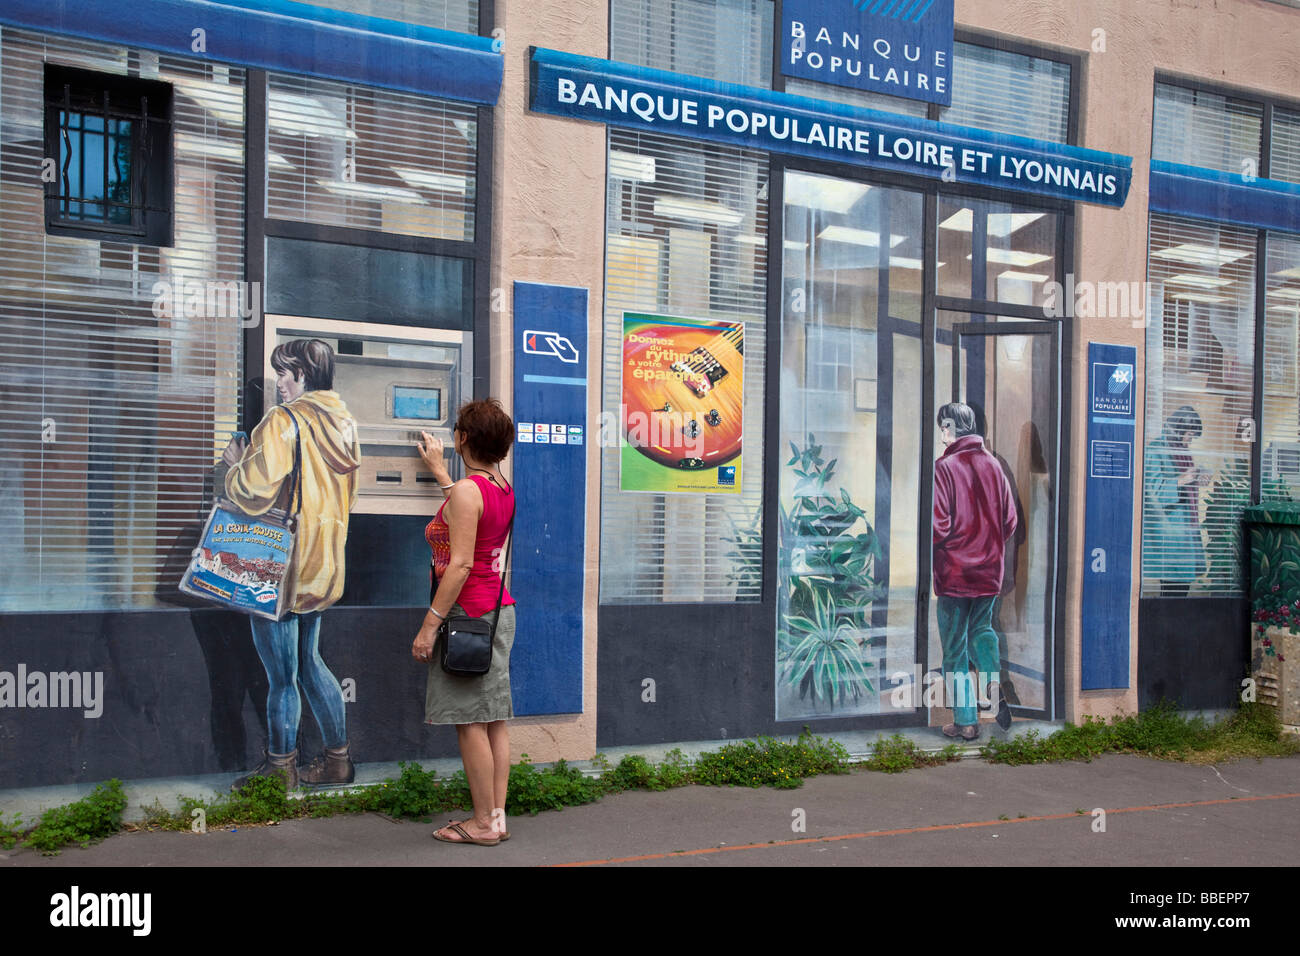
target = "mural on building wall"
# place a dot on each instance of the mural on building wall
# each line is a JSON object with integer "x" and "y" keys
{"x": 315, "y": 427}
{"x": 683, "y": 404}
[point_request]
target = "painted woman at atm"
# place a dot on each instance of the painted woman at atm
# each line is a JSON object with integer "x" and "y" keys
{"x": 257, "y": 481}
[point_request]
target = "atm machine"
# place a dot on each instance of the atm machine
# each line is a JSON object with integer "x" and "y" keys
{"x": 397, "y": 381}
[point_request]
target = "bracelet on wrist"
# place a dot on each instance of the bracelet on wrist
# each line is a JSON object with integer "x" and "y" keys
{"x": 446, "y": 487}
{"x": 441, "y": 617}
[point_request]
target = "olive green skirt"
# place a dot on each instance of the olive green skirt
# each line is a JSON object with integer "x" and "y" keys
{"x": 473, "y": 700}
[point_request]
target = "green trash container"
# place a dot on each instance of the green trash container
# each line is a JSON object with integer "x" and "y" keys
{"x": 1273, "y": 532}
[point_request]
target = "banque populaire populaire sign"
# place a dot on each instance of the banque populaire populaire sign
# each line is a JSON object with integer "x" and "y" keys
{"x": 640, "y": 98}
{"x": 899, "y": 47}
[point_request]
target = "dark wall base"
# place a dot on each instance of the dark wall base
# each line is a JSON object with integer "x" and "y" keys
{"x": 185, "y": 694}
{"x": 713, "y": 668}
{"x": 1192, "y": 651}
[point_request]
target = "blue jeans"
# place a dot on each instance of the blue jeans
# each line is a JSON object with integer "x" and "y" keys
{"x": 968, "y": 637}
{"x": 290, "y": 650}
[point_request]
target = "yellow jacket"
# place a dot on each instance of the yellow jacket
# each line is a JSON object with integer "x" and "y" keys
{"x": 331, "y": 454}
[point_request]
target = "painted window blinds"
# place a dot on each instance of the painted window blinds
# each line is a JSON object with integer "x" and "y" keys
{"x": 686, "y": 236}
{"x": 1009, "y": 93}
{"x": 1285, "y": 152}
{"x": 343, "y": 155}
{"x": 1280, "y": 424}
{"x": 119, "y": 363}
{"x": 729, "y": 40}
{"x": 1197, "y": 128}
{"x": 1200, "y": 361}
{"x": 458, "y": 15}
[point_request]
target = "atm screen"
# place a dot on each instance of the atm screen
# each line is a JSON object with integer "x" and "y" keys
{"x": 410, "y": 401}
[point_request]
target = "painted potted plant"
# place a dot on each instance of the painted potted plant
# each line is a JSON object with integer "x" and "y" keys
{"x": 830, "y": 555}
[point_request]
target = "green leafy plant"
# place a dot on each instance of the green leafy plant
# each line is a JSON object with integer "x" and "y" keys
{"x": 1159, "y": 731}
{"x": 88, "y": 820}
{"x": 10, "y": 833}
{"x": 767, "y": 762}
{"x": 829, "y": 573}
{"x": 532, "y": 790}
{"x": 896, "y": 753}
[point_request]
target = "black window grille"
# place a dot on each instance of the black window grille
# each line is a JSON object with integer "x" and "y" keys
{"x": 108, "y": 156}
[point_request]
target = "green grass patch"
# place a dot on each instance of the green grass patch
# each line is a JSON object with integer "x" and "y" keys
{"x": 1161, "y": 732}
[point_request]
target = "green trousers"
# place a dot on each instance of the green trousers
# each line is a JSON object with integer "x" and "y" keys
{"x": 968, "y": 637}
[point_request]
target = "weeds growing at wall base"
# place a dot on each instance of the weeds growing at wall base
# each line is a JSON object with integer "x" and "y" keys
{"x": 1253, "y": 731}
{"x": 420, "y": 794}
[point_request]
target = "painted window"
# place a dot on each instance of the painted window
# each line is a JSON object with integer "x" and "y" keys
{"x": 1200, "y": 367}
{"x": 343, "y": 155}
{"x": 728, "y": 40}
{"x": 458, "y": 15}
{"x": 120, "y": 367}
{"x": 109, "y": 140}
{"x": 1200, "y": 128}
{"x": 1009, "y": 93}
{"x": 686, "y": 228}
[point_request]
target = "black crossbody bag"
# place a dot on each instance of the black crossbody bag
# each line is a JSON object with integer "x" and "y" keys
{"x": 465, "y": 643}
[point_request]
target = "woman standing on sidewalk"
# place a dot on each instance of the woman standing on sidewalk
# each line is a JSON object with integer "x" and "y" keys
{"x": 467, "y": 537}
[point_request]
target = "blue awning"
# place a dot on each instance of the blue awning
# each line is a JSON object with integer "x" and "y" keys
{"x": 1224, "y": 197}
{"x": 641, "y": 98}
{"x": 284, "y": 36}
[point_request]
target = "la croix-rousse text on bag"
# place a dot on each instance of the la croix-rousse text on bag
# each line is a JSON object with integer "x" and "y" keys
{"x": 242, "y": 562}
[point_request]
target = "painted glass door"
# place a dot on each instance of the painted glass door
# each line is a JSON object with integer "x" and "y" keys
{"x": 848, "y": 477}
{"x": 1007, "y": 371}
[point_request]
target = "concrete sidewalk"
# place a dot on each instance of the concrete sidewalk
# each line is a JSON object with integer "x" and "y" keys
{"x": 1157, "y": 814}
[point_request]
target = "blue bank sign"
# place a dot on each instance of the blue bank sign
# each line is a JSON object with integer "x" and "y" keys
{"x": 635, "y": 97}
{"x": 899, "y": 47}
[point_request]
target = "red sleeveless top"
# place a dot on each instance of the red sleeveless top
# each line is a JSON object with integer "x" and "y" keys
{"x": 479, "y": 595}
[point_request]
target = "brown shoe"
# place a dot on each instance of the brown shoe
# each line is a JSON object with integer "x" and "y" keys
{"x": 284, "y": 766}
{"x": 332, "y": 768}
{"x": 967, "y": 732}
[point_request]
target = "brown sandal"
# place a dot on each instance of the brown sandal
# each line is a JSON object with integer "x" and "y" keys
{"x": 464, "y": 836}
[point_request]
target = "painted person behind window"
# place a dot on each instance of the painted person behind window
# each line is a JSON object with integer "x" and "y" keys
{"x": 1172, "y": 549}
{"x": 258, "y": 481}
{"x": 974, "y": 515}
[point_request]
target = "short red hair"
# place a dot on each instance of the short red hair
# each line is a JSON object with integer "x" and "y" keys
{"x": 487, "y": 428}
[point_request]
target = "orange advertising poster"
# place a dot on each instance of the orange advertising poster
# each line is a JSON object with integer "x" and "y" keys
{"x": 682, "y": 405}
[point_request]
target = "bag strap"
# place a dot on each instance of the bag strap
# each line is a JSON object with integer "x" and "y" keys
{"x": 295, "y": 476}
{"x": 510, "y": 540}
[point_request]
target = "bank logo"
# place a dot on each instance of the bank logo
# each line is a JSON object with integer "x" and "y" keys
{"x": 1120, "y": 379}
{"x": 910, "y": 11}
{"x": 726, "y": 474}
{"x": 537, "y": 342}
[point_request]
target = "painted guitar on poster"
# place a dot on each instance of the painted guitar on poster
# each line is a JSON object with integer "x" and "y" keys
{"x": 683, "y": 393}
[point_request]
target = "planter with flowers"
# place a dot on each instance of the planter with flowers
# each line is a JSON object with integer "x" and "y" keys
{"x": 1275, "y": 606}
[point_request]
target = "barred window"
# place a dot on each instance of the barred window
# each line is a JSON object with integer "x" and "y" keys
{"x": 109, "y": 138}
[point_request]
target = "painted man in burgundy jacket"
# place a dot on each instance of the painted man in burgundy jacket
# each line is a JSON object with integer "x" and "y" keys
{"x": 974, "y": 515}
